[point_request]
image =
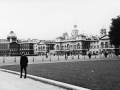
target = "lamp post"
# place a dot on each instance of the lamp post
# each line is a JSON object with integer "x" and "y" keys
{"x": 42, "y": 58}
{"x": 3, "y": 59}
{"x": 65, "y": 55}
{"x": 78, "y": 54}
{"x": 9, "y": 52}
{"x": 100, "y": 54}
{"x": 15, "y": 59}
{"x": 58, "y": 56}
{"x": 33, "y": 59}
{"x": 73, "y": 52}
{"x": 84, "y": 55}
{"x": 95, "y": 55}
{"x": 50, "y": 56}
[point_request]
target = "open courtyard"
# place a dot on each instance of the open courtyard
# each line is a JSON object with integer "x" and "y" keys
{"x": 98, "y": 73}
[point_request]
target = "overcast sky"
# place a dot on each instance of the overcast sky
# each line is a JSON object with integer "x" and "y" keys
{"x": 48, "y": 19}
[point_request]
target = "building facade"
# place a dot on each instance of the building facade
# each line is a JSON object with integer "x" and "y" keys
{"x": 4, "y": 47}
{"x": 75, "y": 44}
{"x": 44, "y": 47}
{"x": 26, "y": 46}
{"x": 82, "y": 44}
{"x": 13, "y": 44}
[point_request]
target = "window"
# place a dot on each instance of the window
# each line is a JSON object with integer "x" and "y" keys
{"x": 102, "y": 45}
{"x": 106, "y": 44}
{"x": 74, "y": 47}
{"x": 78, "y": 46}
{"x": 97, "y": 46}
{"x": 57, "y": 47}
{"x": 68, "y": 46}
{"x": 94, "y": 46}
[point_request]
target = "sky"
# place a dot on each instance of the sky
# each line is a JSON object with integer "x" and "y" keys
{"x": 48, "y": 19}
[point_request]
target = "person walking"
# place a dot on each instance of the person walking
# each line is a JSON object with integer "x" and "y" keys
{"x": 23, "y": 64}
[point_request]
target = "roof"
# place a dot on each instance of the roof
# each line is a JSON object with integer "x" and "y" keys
{"x": 47, "y": 42}
{"x": 4, "y": 41}
{"x": 105, "y": 37}
{"x": 11, "y": 35}
{"x": 60, "y": 37}
{"x": 81, "y": 35}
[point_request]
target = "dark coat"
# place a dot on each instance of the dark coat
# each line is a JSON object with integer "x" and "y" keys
{"x": 89, "y": 55}
{"x": 24, "y": 61}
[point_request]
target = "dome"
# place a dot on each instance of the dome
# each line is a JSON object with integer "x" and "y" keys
{"x": 11, "y": 35}
{"x": 75, "y": 29}
{"x": 103, "y": 29}
{"x": 75, "y": 26}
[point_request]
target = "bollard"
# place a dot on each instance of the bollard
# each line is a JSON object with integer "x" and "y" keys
{"x": 33, "y": 59}
{"x": 95, "y": 56}
{"x": 42, "y": 58}
{"x": 3, "y": 60}
{"x": 15, "y": 59}
{"x": 65, "y": 57}
{"x": 84, "y": 56}
{"x": 78, "y": 56}
{"x": 50, "y": 58}
{"x": 72, "y": 57}
{"x": 58, "y": 57}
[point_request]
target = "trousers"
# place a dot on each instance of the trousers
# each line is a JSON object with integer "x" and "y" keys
{"x": 25, "y": 70}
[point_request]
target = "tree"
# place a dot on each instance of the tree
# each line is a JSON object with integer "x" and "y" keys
{"x": 114, "y": 33}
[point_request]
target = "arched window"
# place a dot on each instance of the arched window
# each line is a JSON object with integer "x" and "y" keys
{"x": 38, "y": 48}
{"x": 74, "y": 47}
{"x": 65, "y": 48}
{"x": 78, "y": 46}
{"x": 102, "y": 45}
{"x": 43, "y": 48}
{"x": 68, "y": 47}
{"x": 57, "y": 47}
{"x": 106, "y": 44}
{"x": 62, "y": 48}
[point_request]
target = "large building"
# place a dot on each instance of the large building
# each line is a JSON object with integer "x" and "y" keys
{"x": 9, "y": 46}
{"x": 104, "y": 42}
{"x": 65, "y": 44}
{"x": 77, "y": 43}
{"x": 82, "y": 44}
{"x": 26, "y": 47}
{"x": 13, "y": 44}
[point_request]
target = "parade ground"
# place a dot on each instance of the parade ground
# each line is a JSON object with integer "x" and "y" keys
{"x": 97, "y": 73}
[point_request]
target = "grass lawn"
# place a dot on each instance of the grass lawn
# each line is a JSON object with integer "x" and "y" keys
{"x": 95, "y": 75}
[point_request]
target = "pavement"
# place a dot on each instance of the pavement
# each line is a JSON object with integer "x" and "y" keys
{"x": 9, "y": 81}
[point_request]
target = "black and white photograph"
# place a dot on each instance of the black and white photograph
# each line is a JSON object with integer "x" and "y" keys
{"x": 59, "y": 44}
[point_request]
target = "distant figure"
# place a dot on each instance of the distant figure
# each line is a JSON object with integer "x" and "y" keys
{"x": 89, "y": 55}
{"x": 46, "y": 55}
{"x": 105, "y": 54}
{"x": 23, "y": 64}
